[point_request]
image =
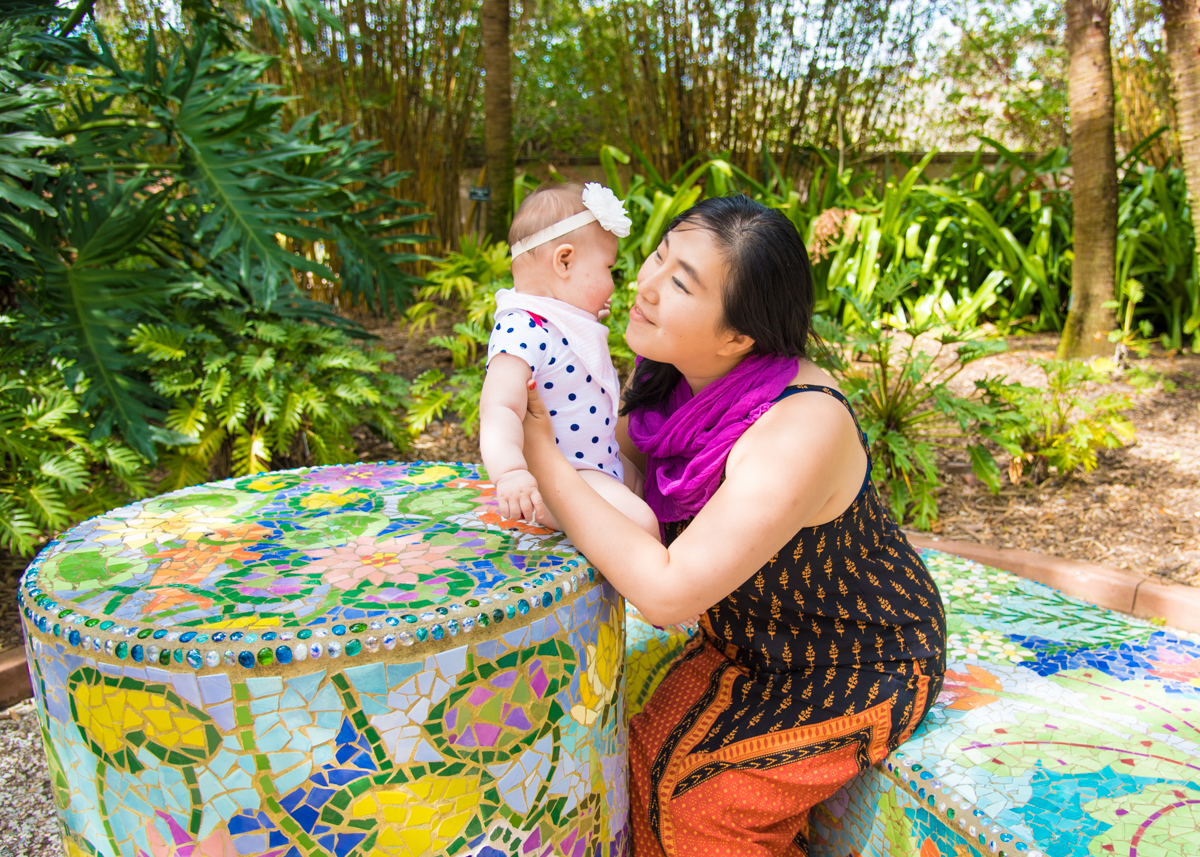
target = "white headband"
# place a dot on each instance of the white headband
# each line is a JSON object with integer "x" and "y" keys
{"x": 603, "y": 206}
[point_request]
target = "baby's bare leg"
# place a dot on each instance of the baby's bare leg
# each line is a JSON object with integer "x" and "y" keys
{"x": 622, "y": 499}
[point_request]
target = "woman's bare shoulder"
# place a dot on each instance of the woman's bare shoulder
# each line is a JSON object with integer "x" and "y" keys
{"x": 803, "y": 426}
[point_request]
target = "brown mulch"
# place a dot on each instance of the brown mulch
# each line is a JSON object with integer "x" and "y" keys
{"x": 1138, "y": 510}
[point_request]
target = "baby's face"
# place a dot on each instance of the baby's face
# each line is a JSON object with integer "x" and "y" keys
{"x": 590, "y": 283}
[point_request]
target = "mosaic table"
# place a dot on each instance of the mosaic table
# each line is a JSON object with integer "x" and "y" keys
{"x": 1063, "y": 730}
{"x": 358, "y": 661}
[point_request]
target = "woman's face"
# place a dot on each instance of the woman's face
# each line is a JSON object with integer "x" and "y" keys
{"x": 678, "y": 317}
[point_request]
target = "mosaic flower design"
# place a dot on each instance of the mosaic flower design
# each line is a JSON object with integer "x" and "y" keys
{"x": 989, "y": 645}
{"x": 277, "y": 547}
{"x": 598, "y": 681}
{"x": 393, "y": 562}
{"x": 503, "y": 706}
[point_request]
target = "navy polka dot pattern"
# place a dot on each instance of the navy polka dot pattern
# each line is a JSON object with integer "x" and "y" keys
{"x": 579, "y": 409}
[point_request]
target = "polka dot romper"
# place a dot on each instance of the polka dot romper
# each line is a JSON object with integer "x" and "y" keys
{"x": 580, "y": 409}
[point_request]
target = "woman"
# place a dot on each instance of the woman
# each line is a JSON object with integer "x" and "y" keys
{"x": 822, "y": 639}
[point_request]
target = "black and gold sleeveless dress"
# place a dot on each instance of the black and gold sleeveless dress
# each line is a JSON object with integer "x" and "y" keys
{"x": 812, "y": 670}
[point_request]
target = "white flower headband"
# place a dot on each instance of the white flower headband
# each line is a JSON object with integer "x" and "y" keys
{"x": 602, "y": 206}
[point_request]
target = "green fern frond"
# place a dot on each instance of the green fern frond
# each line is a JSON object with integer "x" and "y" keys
{"x": 250, "y": 454}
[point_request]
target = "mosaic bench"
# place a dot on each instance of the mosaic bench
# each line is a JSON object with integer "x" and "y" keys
{"x": 1063, "y": 730}
{"x": 357, "y": 661}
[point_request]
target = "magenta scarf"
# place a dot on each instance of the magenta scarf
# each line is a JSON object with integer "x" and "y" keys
{"x": 687, "y": 438}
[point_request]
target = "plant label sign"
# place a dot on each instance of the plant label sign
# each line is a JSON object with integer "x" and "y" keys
{"x": 480, "y": 194}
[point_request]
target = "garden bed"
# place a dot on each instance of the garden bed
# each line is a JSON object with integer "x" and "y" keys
{"x": 1139, "y": 510}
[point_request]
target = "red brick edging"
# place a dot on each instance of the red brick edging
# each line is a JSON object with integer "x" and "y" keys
{"x": 14, "y": 677}
{"x": 1175, "y": 603}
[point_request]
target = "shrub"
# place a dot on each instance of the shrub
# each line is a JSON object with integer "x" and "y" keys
{"x": 52, "y": 473}
{"x": 255, "y": 392}
{"x": 1061, "y": 427}
{"x": 899, "y": 383}
{"x": 175, "y": 179}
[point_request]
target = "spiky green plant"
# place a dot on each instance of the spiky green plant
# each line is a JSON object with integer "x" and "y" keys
{"x": 253, "y": 392}
{"x": 52, "y": 473}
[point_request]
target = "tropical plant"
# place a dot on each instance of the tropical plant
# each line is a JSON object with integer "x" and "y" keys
{"x": 1156, "y": 247}
{"x": 900, "y": 384}
{"x": 52, "y": 473}
{"x": 1063, "y": 426}
{"x": 467, "y": 281}
{"x": 253, "y": 391}
{"x": 171, "y": 182}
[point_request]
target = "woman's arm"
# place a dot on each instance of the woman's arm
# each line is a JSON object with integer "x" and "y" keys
{"x": 786, "y": 469}
{"x": 626, "y": 444}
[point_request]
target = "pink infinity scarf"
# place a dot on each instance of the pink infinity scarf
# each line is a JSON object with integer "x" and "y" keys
{"x": 687, "y": 438}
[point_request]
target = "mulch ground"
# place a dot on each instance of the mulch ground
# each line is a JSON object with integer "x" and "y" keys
{"x": 1138, "y": 510}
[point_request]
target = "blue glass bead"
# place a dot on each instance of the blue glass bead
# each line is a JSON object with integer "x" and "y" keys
{"x": 339, "y": 630}
{"x": 137, "y": 653}
{"x": 195, "y": 661}
{"x": 283, "y": 654}
{"x": 246, "y": 659}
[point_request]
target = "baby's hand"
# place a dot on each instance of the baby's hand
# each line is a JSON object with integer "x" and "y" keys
{"x": 518, "y": 497}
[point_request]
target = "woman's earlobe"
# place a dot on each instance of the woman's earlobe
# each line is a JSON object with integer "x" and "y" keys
{"x": 736, "y": 345}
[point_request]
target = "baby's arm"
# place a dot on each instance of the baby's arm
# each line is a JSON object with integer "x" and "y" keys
{"x": 501, "y": 438}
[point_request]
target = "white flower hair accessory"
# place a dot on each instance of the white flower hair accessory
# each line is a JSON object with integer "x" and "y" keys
{"x": 602, "y": 206}
{"x": 609, "y": 210}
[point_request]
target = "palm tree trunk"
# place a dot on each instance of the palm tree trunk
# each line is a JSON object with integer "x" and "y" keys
{"x": 1183, "y": 54}
{"x": 497, "y": 115}
{"x": 1094, "y": 155}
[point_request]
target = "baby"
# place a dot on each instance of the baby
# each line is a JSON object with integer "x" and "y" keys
{"x": 564, "y": 244}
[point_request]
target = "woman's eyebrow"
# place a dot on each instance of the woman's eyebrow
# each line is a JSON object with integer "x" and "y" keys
{"x": 688, "y": 269}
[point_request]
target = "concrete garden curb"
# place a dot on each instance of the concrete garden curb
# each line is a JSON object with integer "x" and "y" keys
{"x": 1174, "y": 603}
{"x": 14, "y": 677}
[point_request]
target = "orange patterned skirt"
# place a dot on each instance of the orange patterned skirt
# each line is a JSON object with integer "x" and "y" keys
{"x": 752, "y": 796}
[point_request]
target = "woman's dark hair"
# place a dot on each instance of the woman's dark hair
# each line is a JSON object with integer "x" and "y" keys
{"x": 768, "y": 295}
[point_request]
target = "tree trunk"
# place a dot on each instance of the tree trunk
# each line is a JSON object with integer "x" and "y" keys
{"x": 497, "y": 115}
{"x": 1094, "y": 155}
{"x": 1183, "y": 54}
